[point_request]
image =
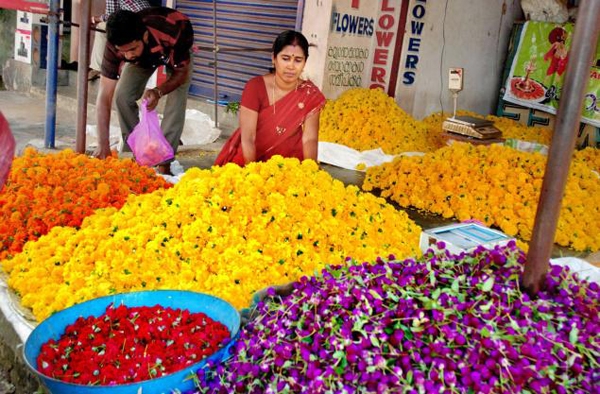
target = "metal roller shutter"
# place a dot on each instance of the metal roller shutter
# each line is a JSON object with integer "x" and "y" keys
{"x": 245, "y": 31}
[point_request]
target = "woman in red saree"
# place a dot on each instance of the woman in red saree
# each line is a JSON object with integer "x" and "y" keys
{"x": 279, "y": 112}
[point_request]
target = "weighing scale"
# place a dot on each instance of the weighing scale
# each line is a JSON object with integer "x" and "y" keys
{"x": 467, "y": 126}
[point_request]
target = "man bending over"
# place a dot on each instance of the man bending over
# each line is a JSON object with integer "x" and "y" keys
{"x": 143, "y": 41}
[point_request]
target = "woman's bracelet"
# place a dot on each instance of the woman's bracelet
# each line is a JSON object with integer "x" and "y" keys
{"x": 158, "y": 92}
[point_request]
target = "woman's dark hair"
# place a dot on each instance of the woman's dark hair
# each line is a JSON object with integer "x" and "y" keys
{"x": 290, "y": 37}
{"x": 124, "y": 27}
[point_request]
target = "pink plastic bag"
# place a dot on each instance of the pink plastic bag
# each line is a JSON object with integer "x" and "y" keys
{"x": 7, "y": 149}
{"x": 147, "y": 141}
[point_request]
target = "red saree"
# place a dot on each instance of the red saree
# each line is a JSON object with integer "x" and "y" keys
{"x": 279, "y": 126}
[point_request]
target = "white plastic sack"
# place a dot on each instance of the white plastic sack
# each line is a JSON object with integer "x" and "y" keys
{"x": 584, "y": 269}
{"x": 345, "y": 157}
{"x": 115, "y": 138}
{"x": 199, "y": 128}
{"x": 526, "y": 146}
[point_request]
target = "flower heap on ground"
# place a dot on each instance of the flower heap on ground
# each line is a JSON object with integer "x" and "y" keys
{"x": 590, "y": 156}
{"x": 511, "y": 129}
{"x": 130, "y": 344}
{"x": 365, "y": 119}
{"x": 442, "y": 323}
{"x": 62, "y": 189}
{"x": 496, "y": 185}
{"x": 228, "y": 231}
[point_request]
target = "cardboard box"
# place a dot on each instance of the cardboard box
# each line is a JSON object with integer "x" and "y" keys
{"x": 23, "y": 46}
{"x": 463, "y": 237}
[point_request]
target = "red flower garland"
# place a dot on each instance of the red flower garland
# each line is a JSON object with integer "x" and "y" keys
{"x": 130, "y": 344}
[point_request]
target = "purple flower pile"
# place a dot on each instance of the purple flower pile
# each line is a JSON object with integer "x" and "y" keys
{"x": 440, "y": 324}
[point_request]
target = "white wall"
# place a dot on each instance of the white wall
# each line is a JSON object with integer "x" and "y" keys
{"x": 315, "y": 27}
{"x": 472, "y": 34}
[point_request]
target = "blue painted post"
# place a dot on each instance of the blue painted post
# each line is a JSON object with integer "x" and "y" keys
{"x": 51, "y": 74}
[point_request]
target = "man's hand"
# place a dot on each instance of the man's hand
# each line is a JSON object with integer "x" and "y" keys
{"x": 152, "y": 96}
{"x": 96, "y": 19}
{"x": 102, "y": 152}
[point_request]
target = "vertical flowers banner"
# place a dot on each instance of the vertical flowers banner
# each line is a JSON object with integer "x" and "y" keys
{"x": 537, "y": 71}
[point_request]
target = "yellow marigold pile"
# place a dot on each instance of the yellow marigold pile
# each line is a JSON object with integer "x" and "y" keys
{"x": 61, "y": 189}
{"x": 496, "y": 185}
{"x": 228, "y": 231}
{"x": 365, "y": 119}
{"x": 590, "y": 156}
{"x": 511, "y": 129}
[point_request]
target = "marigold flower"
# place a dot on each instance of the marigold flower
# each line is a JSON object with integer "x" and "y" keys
{"x": 366, "y": 119}
{"x": 494, "y": 184}
{"x": 61, "y": 189}
{"x": 227, "y": 231}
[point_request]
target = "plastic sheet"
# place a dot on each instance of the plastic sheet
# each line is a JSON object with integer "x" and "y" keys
{"x": 345, "y": 157}
{"x": 115, "y": 139}
{"x": 199, "y": 128}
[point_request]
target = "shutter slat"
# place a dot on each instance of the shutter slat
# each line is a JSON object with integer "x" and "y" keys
{"x": 241, "y": 24}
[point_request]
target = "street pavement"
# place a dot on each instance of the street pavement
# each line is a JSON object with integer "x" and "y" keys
{"x": 26, "y": 116}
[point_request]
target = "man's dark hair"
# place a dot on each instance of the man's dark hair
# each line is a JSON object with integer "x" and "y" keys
{"x": 124, "y": 27}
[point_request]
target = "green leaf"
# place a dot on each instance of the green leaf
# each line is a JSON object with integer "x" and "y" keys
{"x": 485, "y": 332}
{"x": 432, "y": 278}
{"x": 375, "y": 294}
{"x": 407, "y": 332}
{"x": 488, "y": 284}
{"x": 427, "y": 303}
{"x": 392, "y": 296}
{"x": 514, "y": 325}
{"x": 455, "y": 285}
{"x": 374, "y": 341}
{"x": 574, "y": 335}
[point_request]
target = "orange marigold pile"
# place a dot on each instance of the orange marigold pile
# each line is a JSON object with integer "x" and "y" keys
{"x": 61, "y": 189}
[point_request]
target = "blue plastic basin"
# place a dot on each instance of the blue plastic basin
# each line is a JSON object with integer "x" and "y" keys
{"x": 54, "y": 326}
